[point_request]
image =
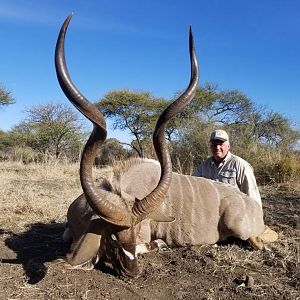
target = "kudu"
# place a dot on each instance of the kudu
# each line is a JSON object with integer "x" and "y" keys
{"x": 145, "y": 201}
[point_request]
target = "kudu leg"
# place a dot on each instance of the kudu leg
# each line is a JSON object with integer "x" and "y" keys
{"x": 256, "y": 243}
{"x": 268, "y": 236}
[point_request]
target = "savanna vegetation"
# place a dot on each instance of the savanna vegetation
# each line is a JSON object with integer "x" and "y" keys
{"x": 6, "y": 97}
{"x": 267, "y": 139}
{"x": 39, "y": 162}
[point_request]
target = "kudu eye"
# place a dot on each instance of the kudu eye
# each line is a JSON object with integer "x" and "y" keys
{"x": 114, "y": 241}
{"x": 113, "y": 237}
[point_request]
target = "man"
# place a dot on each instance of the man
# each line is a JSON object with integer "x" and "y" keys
{"x": 225, "y": 167}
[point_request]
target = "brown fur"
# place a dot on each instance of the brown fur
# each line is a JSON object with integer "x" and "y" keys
{"x": 195, "y": 211}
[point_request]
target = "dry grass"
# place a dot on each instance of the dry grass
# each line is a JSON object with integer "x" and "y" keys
{"x": 31, "y": 192}
{"x": 37, "y": 192}
{"x": 33, "y": 204}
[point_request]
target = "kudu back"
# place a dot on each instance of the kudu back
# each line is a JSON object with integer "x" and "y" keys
{"x": 143, "y": 201}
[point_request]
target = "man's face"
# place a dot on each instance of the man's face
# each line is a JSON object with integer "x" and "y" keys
{"x": 219, "y": 149}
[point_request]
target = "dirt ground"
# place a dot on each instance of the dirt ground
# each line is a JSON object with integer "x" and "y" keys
{"x": 30, "y": 242}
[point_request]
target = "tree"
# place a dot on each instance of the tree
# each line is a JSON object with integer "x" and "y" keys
{"x": 133, "y": 111}
{"x": 190, "y": 146}
{"x": 237, "y": 113}
{"x": 220, "y": 107}
{"x": 252, "y": 129}
{"x": 51, "y": 128}
{"x": 255, "y": 131}
{"x": 110, "y": 152}
{"x": 211, "y": 106}
{"x": 276, "y": 130}
{"x": 5, "y": 97}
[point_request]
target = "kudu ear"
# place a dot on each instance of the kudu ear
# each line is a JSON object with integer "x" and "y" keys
{"x": 85, "y": 250}
{"x": 88, "y": 245}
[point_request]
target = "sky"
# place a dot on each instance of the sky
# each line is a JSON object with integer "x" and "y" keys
{"x": 252, "y": 46}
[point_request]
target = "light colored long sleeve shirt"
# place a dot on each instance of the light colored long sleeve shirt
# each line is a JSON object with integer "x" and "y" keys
{"x": 232, "y": 170}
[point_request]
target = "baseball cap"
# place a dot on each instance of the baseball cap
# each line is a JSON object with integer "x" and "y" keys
{"x": 219, "y": 135}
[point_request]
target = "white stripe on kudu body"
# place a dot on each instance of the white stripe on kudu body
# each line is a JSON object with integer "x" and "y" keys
{"x": 202, "y": 215}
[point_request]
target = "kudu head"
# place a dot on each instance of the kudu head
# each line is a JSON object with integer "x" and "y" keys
{"x": 120, "y": 215}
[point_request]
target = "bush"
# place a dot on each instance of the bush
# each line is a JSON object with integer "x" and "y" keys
{"x": 110, "y": 152}
{"x": 288, "y": 168}
{"x": 276, "y": 167}
{"x": 20, "y": 154}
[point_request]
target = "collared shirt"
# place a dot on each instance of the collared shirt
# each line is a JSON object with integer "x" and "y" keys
{"x": 232, "y": 170}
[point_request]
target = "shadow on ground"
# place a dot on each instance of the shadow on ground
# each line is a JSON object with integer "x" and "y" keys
{"x": 39, "y": 244}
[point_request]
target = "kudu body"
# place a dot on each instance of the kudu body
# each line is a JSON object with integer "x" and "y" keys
{"x": 143, "y": 200}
